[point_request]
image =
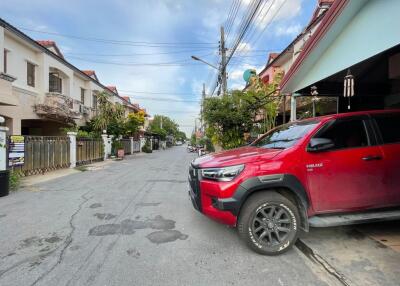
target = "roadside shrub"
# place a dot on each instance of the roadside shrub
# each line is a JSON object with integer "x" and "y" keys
{"x": 14, "y": 180}
{"x": 146, "y": 147}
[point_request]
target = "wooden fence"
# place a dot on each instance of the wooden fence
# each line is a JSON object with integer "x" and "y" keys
{"x": 89, "y": 150}
{"x": 45, "y": 153}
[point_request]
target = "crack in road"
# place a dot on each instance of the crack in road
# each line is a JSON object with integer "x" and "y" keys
{"x": 67, "y": 242}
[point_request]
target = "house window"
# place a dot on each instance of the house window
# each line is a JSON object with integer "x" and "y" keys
{"x": 94, "y": 103}
{"x": 55, "y": 83}
{"x": 5, "y": 61}
{"x": 82, "y": 96}
{"x": 30, "y": 74}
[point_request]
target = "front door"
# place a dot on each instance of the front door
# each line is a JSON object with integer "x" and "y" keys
{"x": 349, "y": 176}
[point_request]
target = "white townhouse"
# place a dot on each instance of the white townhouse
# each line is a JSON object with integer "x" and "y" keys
{"x": 41, "y": 92}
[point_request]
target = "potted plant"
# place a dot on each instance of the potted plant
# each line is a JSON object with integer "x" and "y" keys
{"x": 118, "y": 148}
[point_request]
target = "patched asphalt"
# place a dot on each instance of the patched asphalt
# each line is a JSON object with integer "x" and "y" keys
{"x": 131, "y": 223}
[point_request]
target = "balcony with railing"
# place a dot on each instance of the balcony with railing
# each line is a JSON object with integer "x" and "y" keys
{"x": 58, "y": 107}
{"x": 6, "y": 95}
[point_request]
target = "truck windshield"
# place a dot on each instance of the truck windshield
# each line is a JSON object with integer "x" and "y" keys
{"x": 286, "y": 135}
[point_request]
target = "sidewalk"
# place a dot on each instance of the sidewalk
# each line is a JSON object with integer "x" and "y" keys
{"x": 352, "y": 256}
{"x": 29, "y": 181}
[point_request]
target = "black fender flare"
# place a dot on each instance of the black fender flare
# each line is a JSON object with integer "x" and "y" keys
{"x": 286, "y": 182}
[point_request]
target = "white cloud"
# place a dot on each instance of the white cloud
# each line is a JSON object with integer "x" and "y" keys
{"x": 244, "y": 47}
{"x": 236, "y": 80}
{"x": 290, "y": 30}
{"x": 278, "y": 10}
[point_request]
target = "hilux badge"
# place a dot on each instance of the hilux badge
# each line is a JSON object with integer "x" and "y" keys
{"x": 310, "y": 167}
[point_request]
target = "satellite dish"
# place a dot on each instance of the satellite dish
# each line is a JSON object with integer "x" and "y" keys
{"x": 248, "y": 74}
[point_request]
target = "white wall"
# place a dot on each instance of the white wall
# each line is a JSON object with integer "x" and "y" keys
{"x": 22, "y": 51}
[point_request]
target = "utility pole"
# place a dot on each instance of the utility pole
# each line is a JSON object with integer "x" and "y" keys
{"x": 223, "y": 62}
{"x": 161, "y": 121}
{"x": 203, "y": 97}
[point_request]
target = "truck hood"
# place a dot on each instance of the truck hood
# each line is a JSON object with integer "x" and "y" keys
{"x": 235, "y": 157}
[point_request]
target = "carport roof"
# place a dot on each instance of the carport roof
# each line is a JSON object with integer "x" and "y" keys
{"x": 344, "y": 38}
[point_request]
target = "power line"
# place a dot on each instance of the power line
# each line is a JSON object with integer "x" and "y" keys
{"x": 121, "y": 42}
{"x": 244, "y": 26}
{"x": 164, "y": 64}
{"x": 156, "y": 92}
{"x": 269, "y": 22}
{"x": 141, "y": 54}
{"x": 162, "y": 99}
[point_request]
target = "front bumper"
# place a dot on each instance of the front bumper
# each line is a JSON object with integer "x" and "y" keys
{"x": 205, "y": 200}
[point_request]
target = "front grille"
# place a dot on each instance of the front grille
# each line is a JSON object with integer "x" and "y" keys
{"x": 195, "y": 187}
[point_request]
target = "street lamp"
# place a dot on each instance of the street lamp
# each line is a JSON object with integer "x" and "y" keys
{"x": 203, "y": 61}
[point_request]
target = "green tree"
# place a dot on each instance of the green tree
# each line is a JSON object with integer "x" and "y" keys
{"x": 193, "y": 139}
{"x": 231, "y": 116}
{"x": 133, "y": 123}
{"x": 163, "y": 125}
{"x": 181, "y": 136}
{"x": 110, "y": 116}
{"x": 228, "y": 118}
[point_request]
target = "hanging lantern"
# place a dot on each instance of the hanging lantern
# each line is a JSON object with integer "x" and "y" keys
{"x": 348, "y": 86}
{"x": 314, "y": 99}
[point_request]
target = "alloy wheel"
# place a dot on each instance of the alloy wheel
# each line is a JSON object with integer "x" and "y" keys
{"x": 271, "y": 225}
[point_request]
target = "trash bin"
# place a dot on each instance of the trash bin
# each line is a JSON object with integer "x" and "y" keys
{"x": 4, "y": 183}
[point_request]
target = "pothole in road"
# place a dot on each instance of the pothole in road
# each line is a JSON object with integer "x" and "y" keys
{"x": 104, "y": 216}
{"x": 129, "y": 226}
{"x": 165, "y": 227}
{"x": 166, "y": 236}
{"x": 133, "y": 252}
{"x": 39, "y": 241}
{"x": 95, "y": 205}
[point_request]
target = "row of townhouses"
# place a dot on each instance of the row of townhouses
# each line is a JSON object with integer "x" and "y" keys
{"x": 41, "y": 92}
{"x": 340, "y": 43}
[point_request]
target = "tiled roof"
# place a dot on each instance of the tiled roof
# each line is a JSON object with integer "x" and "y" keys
{"x": 50, "y": 43}
{"x": 113, "y": 88}
{"x": 46, "y": 43}
{"x": 89, "y": 72}
{"x": 272, "y": 56}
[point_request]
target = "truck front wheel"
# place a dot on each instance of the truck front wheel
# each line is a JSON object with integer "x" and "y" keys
{"x": 269, "y": 223}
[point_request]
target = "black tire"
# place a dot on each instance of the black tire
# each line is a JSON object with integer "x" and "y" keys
{"x": 273, "y": 232}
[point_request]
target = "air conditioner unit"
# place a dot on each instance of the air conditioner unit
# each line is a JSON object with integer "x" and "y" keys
{"x": 83, "y": 109}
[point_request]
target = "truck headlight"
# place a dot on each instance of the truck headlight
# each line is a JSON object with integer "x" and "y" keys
{"x": 224, "y": 174}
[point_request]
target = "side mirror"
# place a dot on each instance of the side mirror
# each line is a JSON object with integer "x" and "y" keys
{"x": 320, "y": 144}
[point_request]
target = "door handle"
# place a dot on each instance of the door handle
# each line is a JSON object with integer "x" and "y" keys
{"x": 372, "y": 157}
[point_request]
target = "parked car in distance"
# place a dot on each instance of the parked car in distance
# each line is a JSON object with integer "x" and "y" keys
{"x": 191, "y": 149}
{"x": 178, "y": 143}
{"x": 302, "y": 174}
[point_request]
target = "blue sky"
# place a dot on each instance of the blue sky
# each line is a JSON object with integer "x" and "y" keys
{"x": 175, "y": 29}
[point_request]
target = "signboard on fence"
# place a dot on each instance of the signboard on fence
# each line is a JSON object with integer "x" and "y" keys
{"x": 16, "y": 156}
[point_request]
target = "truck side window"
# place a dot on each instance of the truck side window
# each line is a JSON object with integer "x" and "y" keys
{"x": 346, "y": 134}
{"x": 389, "y": 126}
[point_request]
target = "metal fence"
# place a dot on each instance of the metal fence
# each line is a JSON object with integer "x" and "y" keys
{"x": 45, "y": 153}
{"x": 127, "y": 145}
{"x": 136, "y": 146}
{"x": 89, "y": 150}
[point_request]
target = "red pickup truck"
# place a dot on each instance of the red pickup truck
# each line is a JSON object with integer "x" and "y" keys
{"x": 325, "y": 171}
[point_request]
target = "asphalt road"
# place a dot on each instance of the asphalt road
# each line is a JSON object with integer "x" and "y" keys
{"x": 131, "y": 223}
